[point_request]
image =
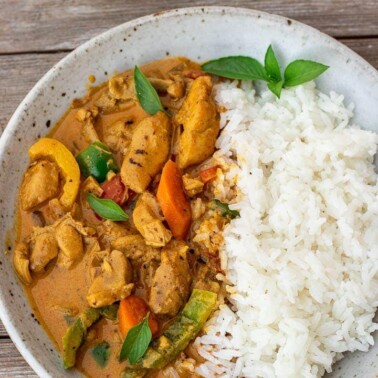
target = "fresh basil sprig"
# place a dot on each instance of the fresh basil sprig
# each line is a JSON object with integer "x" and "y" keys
{"x": 146, "y": 93}
{"x": 246, "y": 68}
{"x": 106, "y": 208}
{"x": 101, "y": 353}
{"x": 137, "y": 341}
{"x": 224, "y": 209}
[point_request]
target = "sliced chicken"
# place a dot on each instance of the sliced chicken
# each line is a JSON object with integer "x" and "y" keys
{"x": 135, "y": 248}
{"x": 117, "y": 136}
{"x": 171, "y": 282}
{"x": 43, "y": 247}
{"x": 40, "y": 183}
{"x": 113, "y": 282}
{"x": 147, "y": 153}
{"x": 69, "y": 235}
{"x": 87, "y": 118}
{"x": 148, "y": 221}
{"x": 109, "y": 231}
{"x": 21, "y": 263}
{"x": 200, "y": 123}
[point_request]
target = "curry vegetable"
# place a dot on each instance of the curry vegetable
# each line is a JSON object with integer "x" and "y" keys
{"x": 59, "y": 153}
{"x": 77, "y": 332}
{"x": 107, "y": 208}
{"x": 181, "y": 331}
{"x": 96, "y": 161}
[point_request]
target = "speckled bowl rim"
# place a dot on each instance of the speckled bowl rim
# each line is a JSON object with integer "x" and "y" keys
{"x": 91, "y": 44}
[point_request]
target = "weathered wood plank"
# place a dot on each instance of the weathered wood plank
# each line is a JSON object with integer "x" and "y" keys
{"x": 12, "y": 364}
{"x": 48, "y": 25}
{"x": 18, "y": 74}
{"x": 366, "y": 47}
{"x": 3, "y": 332}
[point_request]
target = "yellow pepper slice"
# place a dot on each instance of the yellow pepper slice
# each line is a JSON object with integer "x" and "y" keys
{"x": 56, "y": 151}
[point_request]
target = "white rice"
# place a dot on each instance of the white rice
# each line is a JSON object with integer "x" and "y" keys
{"x": 302, "y": 259}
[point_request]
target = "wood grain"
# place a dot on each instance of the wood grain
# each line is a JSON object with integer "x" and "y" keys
{"x": 12, "y": 364}
{"x": 3, "y": 332}
{"x": 47, "y": 25}
{"x": 18, "y": 74}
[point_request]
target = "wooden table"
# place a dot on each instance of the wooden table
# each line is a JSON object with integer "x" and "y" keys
{"x": 34, "y": 35}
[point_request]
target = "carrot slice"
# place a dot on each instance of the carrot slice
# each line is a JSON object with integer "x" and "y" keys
{"x": 208, "y": 174}
{"x": 132, "y": 310}
{"x": 174, "y": 204}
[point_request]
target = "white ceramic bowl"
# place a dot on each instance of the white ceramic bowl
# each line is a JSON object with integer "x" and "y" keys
{"x": 200, "y": 34}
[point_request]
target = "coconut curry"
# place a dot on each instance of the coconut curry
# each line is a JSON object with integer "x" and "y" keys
{"x": 112, "y": 210}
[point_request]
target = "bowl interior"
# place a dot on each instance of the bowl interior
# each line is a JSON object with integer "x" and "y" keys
{"x": 200, "y": 34}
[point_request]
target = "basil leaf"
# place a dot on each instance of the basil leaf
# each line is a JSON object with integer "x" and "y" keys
{"x": 276, "y": 88}
{"x": 106, "y": 208}
{"x": 136, "y": 342}
{"x": 225, "y": 209}
{"x": 301, "y": 71}
{"x": 101, "y": 353}
{"x": 272, "y": 67}
{"x": 146, "y": 93}
{"x": 236, "y": 67}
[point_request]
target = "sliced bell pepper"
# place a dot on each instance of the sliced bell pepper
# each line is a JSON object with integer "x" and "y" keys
{"x": 181, "y": 331}
{"x": 76, "y": 333}
{"x": 96, "y": 161}
{"x": 115, "y": 190}
{"x": 56, "y": 151}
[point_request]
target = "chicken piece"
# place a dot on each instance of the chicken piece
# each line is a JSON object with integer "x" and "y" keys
{"x": 106, "y": 103}
{"x": 148, "y": 221}
{"x": 40, "y": 183}
{"x": 21, "y": 263}
{"x": 69, "y": 236}
{"x": 147, "y": 153}
{"x": 204, "y": 279}
{"x": 109, "y": 231}
{"x": 87, "y": 118}
{"x": 113, "y": 282}
{"x": 43, "y": 246}
{"x": 200, "y": 122}
{"x": 192, "y": 185}
{"x": 171, "y": 282}
{"x": 117, "y": 136}
{"x": 90, "y": 185}
{"x": 135, "y": 248}
{"x": 175, "y": 88}
{"x": 122, "y": 87}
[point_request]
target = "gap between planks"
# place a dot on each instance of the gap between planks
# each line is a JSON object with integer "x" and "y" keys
{"x": 53, "y": 25}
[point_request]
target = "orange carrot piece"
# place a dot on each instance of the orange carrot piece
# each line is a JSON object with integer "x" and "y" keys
{"x": 208, "y": 174}
{"x": 132, "y": 310}
{"x": 174, "y": 204}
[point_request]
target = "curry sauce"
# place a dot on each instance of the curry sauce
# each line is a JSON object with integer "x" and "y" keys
{"x": 69, "y": 258}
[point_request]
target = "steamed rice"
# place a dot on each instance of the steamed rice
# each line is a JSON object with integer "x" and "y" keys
{"x": 301, "y": 262}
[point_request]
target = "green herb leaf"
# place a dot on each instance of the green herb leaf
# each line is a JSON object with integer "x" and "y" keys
{"x": 69, "y": 319}
{"x": 101, "y": 353}
{"x": 301, "y": 71}
{"x": 136, "y": 342}
{"x": 236, "y": 67}
{"x": 106, "y": 208}
{"x": 146, "y": 93}
{"x": 276, "y": 88}
{"x": 272, "y": 67}
{"x": 224, "y": 209}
